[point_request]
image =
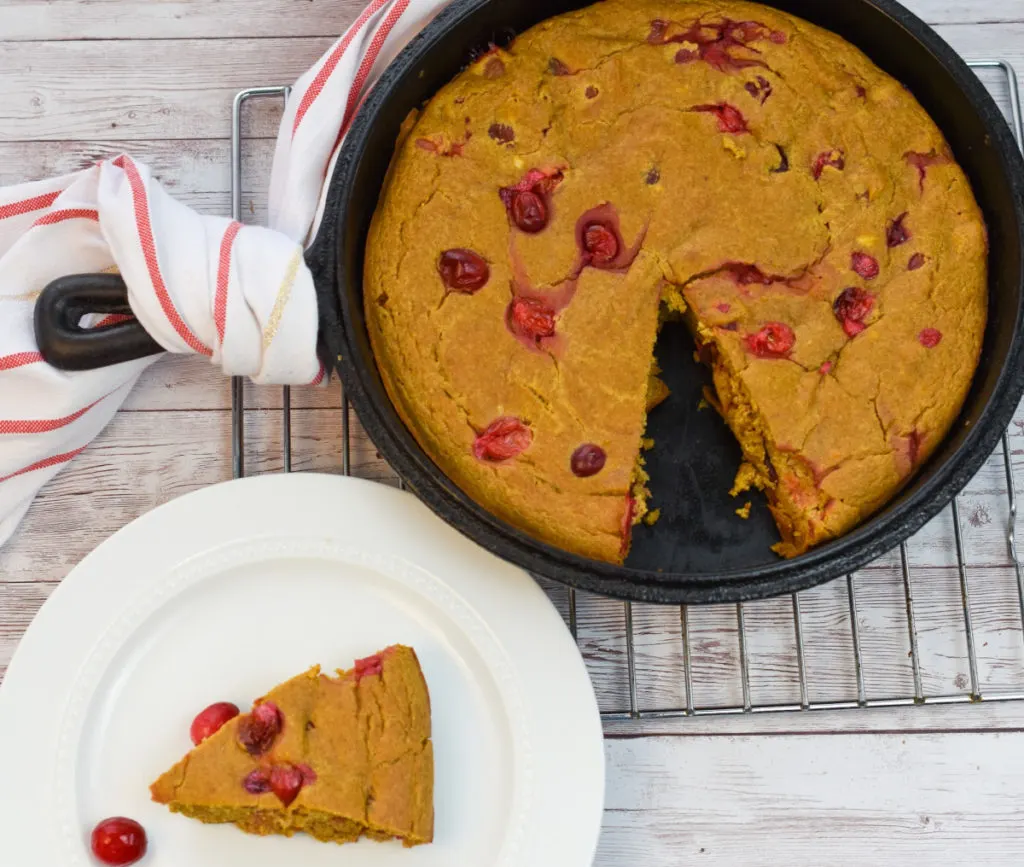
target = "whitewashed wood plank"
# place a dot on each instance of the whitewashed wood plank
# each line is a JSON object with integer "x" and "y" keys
{"x": 1000, "y": 40}
{"x": 19, "y": 601}
{"x": 198, "y": 172}
{"x": 842, "y": 800}
{"x": 828, "y": 642}
{"x": 967, "y": 11}
{"x": 63, "y": 90}
{"x": 75, "y": 91}
{"x": 22, "y": 20}
{"x": 144, "y": 459}
{"x": 185, "y": 382}
{"x": 994, "y": 716}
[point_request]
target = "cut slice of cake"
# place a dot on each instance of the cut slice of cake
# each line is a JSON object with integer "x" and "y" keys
{"x": 337, "y": 758}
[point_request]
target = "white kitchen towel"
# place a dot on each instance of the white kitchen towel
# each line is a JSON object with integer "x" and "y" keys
{"x": 240, "y": 295}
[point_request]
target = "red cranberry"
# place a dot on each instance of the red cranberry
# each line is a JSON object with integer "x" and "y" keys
{"x": 463, "y": 271}
{"x": 866, "y": 266}
{"x": 715, "y": 41}
{"x": 826, "y": 368}
{"x": 760, "y": 89}
{"x": 896, "y": 233}
{"x": 503, "y": 439}
{"x": 258, "y": 730}
{"x": 527, "y": 202}
{"x": 916, "y": 261}
{"x": 852, "y": 308}
{"x": 922, "y": 162}
{"x": 783, "y": 165}
{"x": 557, "y": 67}
{"x": 914, "y": 442}
{"x": 588, "y": 460}
{"x": 502, "y": 132}
{"x": 730, "y": 119}
{"x": 659, "y": 28}
{"x": 834, "y": 158}
{"x": 212, "y": 720}
{"x": 774, "y": 340}
{"x": 439, "y": 147}
{"x": 257, "y": 783}
{"x": 592, "y": 92}
{"x": 529, "y": 212}
{"x": 530, "y": 318}
{"x": 119, "y": 841}
{"x": 495, "y": 68}
{"x": 745, "y": 274}
{"x": 286, "y": 782}
{"x": 778, "y": 37}
{"x": 601, "y": 242}
{"x": 308, "y": 774}
{"x": 930, "y": 338}
{"x": 372, "y": 665}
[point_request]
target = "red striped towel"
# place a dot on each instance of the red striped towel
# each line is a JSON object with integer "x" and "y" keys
{"x": 240, "y": 295}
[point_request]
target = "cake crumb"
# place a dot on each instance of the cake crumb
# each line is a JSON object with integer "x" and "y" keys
{"x": 744, "y": 513}
{"x": 733, "y": 148}
{"x": 703, "y": 405}
{"x": 647, "y": 443}
{"x": 673, "y": 301}
{"x": 651, "y": 517}
{"x": 745, "y": 478}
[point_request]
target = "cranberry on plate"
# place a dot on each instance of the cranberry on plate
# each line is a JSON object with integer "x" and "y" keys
{"x": 212, "y": 720}
{"x": 119, "y": 841}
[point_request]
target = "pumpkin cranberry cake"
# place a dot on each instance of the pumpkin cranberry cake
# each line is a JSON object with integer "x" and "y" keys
{"x": 637, "y": 159}
{"x": 337, "y": 758}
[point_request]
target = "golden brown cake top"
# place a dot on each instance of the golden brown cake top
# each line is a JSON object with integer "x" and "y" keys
{"x": 356, "y": 746}
{"x": 763, "y": 171}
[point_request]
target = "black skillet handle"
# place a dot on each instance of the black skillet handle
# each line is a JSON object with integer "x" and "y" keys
{"x": 64, "y": 344}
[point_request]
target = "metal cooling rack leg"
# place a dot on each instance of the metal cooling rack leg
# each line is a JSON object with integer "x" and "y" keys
{"x": 1011, "y": 487}
{"x": 684, "y": 627}
{"x": 572, "y": 614}
{"x": 286, "y": 429}
{"x": 915, "y": 656}
{"x": 346, "y": 441}
{"x": 1016, "y": 115}
{"x": 634, "y": 711}
{"x": 965, "y": 597}
{"x": 741, "y": 631}
{"x": 858, "y": 659}
{"x": 1011, "y": 530}
{"x": 237, "y": 383}
{"x": 798, "y": 635}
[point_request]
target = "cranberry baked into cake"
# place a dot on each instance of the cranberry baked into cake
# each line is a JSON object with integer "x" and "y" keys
{"x": 639, "y": 159}
{"x": 337, "y": 758}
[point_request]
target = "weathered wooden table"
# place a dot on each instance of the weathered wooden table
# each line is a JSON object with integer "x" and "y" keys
{"x": 85, "y": 79}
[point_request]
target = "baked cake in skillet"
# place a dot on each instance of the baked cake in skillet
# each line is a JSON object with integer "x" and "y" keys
{"x": 639, "y": 159}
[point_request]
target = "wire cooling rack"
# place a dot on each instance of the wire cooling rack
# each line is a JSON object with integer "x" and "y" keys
{"x": 944, "y": 610}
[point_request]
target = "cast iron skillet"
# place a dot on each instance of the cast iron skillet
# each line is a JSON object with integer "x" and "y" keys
{"x": 699, "y": 552}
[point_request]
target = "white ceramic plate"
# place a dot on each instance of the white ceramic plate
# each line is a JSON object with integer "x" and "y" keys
{"x": 222, "y": 594}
